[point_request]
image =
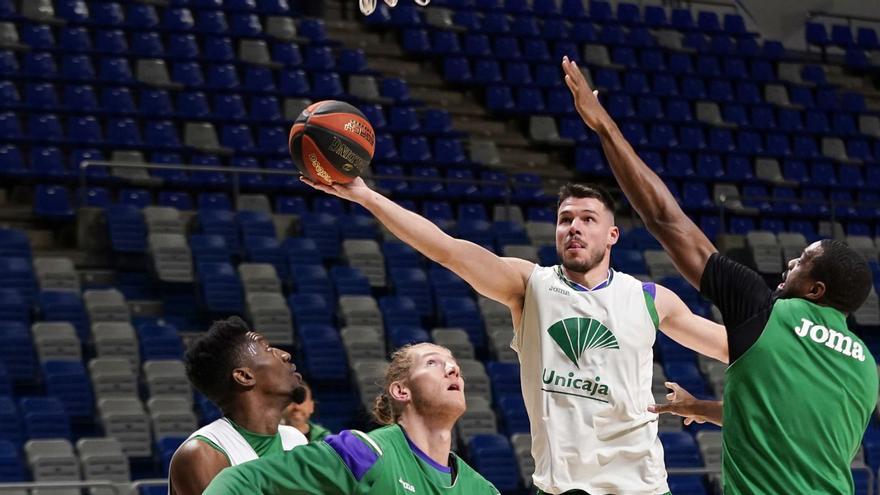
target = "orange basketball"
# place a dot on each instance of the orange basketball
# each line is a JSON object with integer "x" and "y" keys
{"x": 331, "y": 141}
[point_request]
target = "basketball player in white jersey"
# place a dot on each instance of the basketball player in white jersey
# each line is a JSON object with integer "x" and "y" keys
{"x": 584, "y": 336}
{"x": 251, "y": 382}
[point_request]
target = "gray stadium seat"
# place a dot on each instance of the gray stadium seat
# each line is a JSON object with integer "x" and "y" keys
{"x": 40, "y": 11}
{"x": 529, "y": 253}
{"x": 439, "y": 17}
{"x": 126, "y": 420}
{"x": 543, "y": 129}
{"x": 499, "y": 343}
{"x": 259, "y": 277}
{"x": 728, "y": 196}
{"x": 541, "y": 233}
{"x": 708, "y": 112}
{"x": 106, "y": 305}
{"x": 454, "y": 339}
{"x": 522, "y": 448}
{"x": 254, "y": 202}
{"x": 765, "y": 250}
{"x": 485, "y": 152}
{"x": 9, "y": 39}
{"x": 171, "y": 417}
{"x": 203, "y": 137}
{"x": 478, "y": 419}
{"x": 365, "y": 255}
{"x": 56, "y": 341}
{"x": 792, "y": 244}
{"x": 154, "y": 72}
{"x": 268, "y": 312}
{"x": 369, "y": 375}
{"x": 116, "y": 339}
{"x": 52, "y": 460}
{"x": 777, "y": 94}
{"x": 256, "y": 52}
{"x": 281, "y": 28}
{"x": 103, "y": 459}
{"x": 131, "y": 175}
{"x": 671, "y": 40}
{"x": 172, "y": 257}
{"x": 476, "y": 380}
{"x": 710, "y": 447}
{"x": 365, "y": 87}
{"x": 167, "y": 377}
{"x": 113, "y": 377}
{"x": 768, "y": 169}
{"x": 163, "y": 220}
{"x": 790, "y": 72}
{"x": 869, "y": 125}
{"x": 56, "y": 273}
{"x": 869, "y": 313}
{"x": 597, "y": 55}
{"x": 834, "y": 148}
{"x": 508, "y": 213}
{"x": 362, "y": 343}
{"x": 659, "y": 264}
{"x": 360, "y": 310}
{"x": 294, "y": 106}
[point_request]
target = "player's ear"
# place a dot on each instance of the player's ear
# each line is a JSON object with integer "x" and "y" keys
{"x": 816, "y": 291}
{"x": 399, "y": 392}
{"x": 613, "y": 235}
{"x": 244, "y": 377}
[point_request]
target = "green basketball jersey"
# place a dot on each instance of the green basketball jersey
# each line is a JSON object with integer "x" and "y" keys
{"x": 350, "y": 463}
{"x": 796, "y": 404}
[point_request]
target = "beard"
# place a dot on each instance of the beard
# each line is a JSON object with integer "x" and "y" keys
{"x": 434, "y": 406}
{"x": 581, "y": 266}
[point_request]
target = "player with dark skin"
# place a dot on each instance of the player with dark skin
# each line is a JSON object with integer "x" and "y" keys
{"x": 253, "y": 389}
{"x": 693, "y": 410}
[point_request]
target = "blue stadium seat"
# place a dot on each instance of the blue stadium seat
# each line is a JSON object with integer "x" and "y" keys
{"x": 413, "y": 282}
{"x": 323, "y": 356}
{"x": 18, "y": 355}
{"x": 69, "y": 382}
{"x": 311, "y": 309}
{"x": 402, "y": 335}
{"x": 462, "y": 312}
{"x": 221, "y": 288}
{"x": 313, "y": 279}
{"x": 185, "y": 46}
{"x": 687, "y": 484}
{"x": 44, "y": 417}
{"x": 159, "y": 341}
{"x": 11, "y": 467}
{"x": 680, "y": 449}
{"x": 115, "y": 70}
{"x": 493, "y": 457}
{"x": 53, "y": 202}
{"x": 324, "y": 230}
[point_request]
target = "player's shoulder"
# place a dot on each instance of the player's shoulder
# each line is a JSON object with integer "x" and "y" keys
{"x": 357, "y": 450}
{"x": 198, "y": 450}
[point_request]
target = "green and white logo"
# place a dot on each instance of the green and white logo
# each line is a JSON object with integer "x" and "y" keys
{"x": 574, "y": 335}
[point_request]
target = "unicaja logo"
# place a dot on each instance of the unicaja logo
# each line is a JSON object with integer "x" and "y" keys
{"x": 832, "y": 339}
{"x": 575, "y": 335}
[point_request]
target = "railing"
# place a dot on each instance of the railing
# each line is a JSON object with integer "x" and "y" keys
{"x": 115, "y": 488}
{"x": 849, "y": 18}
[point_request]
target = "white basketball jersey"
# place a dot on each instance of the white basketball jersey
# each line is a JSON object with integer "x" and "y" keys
{"x": 237, "y": 449}
{"x": 586, "y": 366}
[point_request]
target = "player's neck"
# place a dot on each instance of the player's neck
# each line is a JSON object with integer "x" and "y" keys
{"x": 591, "y": 278}
{"x": 256, "y": 416}
{"x": 432, "y": 438}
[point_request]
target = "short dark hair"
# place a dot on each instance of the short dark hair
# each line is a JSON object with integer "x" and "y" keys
{"x": 576, "y": 190}
{"x": 212, "y": 356}
{"x": 844, "y": 272}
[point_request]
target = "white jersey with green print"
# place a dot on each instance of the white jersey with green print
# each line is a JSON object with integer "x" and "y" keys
{"x": 586, "y": 363}
{"x": 241, "y": 446}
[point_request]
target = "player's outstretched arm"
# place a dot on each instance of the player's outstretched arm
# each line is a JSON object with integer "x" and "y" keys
{"x": 501, "y": 279}
{"x": 193, "y": 466}
{"x": 686, "y": 244}
{"x": 690, "y": 330}
{"x": 682, "y": 403}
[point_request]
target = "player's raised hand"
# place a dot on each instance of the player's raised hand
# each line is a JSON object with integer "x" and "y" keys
{"x": 681, "y": 403}
{"x": 356, "y": 191}
{"x": 586, "y": 100}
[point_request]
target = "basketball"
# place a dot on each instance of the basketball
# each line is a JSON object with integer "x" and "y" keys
{"x": 332, "y": 142}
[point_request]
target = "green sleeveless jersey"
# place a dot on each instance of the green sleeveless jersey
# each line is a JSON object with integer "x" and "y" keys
{"x": 351, "y": 463}
{"x": 797, "y": 403}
